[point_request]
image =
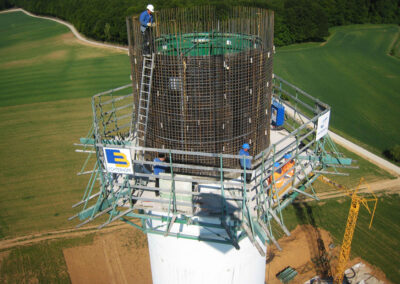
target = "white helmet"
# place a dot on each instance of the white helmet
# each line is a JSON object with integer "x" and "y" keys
{"x": 150, "y": 8}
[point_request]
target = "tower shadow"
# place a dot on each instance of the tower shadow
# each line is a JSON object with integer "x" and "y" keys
{"x": 316, "y": 246}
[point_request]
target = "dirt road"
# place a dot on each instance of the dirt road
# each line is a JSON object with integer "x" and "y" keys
{"x": 387, "y": 186}
{"x": 374, "y": 159}
{"x": 73, "y": 30}
{"x": 67, "y": 233}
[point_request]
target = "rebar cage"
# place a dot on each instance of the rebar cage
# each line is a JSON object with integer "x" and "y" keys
{"x": 211, "y": 83}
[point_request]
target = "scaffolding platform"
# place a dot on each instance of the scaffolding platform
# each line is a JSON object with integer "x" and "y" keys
{"x": 218, "y": 198}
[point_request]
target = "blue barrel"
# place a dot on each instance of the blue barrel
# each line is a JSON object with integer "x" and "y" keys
{"x": 278, "y": 114}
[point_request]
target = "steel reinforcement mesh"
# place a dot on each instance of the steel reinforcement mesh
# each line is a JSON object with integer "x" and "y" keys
{"x": 212, "y": 80}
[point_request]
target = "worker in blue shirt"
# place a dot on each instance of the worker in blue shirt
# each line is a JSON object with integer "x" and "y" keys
{"x": 245, "y": 162}
{"x": 157, "y": 169}
{"x": 146, "y": 22}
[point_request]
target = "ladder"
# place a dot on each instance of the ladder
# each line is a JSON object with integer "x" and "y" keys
{"x": 144, "y": 99}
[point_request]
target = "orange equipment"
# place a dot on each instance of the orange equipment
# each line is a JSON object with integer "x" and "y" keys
{"x": 288, "y": 168}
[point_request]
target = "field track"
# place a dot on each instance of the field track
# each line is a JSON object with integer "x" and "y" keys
{"x": 67, "y": 233}
{"x": 371, "y": 157}
{"x": 380, "y": 162}
{"x": 382, "y": 186}
{"x": 72, "y": 28}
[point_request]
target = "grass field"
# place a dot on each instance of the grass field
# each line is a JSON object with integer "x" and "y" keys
{"x": 354, "y": 74}
{"x": 46, "y": 81}
{"x": 38, "y": 166}
{"x": 39, "y": 263}
{"x": 379, "y": 245}
{"x": 41, "y": 61}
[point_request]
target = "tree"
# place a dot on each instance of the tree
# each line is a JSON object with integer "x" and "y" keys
{"x": 306, "y": 20}
{"x": 295, "y": 20}
{"x": 107, "y": 33}
{"x": 282, "y": 34}
{"x": 393, "y": 153}
{"x": 4, "y": 4}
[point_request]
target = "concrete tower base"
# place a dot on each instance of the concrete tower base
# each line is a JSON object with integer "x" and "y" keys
{"x": 177, "y": 260}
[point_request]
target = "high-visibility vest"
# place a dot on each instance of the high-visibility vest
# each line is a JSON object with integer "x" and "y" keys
{"x": 278, "y": 182}
{"x": 288, "y": 168}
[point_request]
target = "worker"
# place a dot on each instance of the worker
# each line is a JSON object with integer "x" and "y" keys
{"x": 157, "y": 169}
{"x": 288, "y": 167}
{"x": 245, "y": 163}
{"x": 146, "y": 22}
{"x": 276, "y": 178}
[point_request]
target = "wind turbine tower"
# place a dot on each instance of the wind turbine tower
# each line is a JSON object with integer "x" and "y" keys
{"x": 202, "y": 86}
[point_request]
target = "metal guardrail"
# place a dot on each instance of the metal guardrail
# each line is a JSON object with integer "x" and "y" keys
{"x": 258, "y": 202}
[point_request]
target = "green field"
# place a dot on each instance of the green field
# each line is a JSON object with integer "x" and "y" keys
{"x": 354, "y": 74}
{"x": 46, "y": 80}
{"x": 40, "y": 61}
{"x": 39, "y": 263}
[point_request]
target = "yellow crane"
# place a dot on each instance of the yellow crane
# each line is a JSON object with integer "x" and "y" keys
{"x": 356, "y": 200}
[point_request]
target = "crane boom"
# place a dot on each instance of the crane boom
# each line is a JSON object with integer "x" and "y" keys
{"x": 347, "y": 239}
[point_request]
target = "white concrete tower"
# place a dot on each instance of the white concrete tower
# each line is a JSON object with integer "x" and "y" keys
{"x": 178, "y": 260}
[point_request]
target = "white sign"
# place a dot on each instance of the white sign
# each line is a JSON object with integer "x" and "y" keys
{"x": 118, "y": 161}
{"x": 323, "y": 125}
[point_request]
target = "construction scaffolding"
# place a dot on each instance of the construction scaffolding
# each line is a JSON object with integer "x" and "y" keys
{"x": 218, "y": 199}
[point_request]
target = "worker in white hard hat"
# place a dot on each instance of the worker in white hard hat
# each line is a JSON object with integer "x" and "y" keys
{"x": 146, "y": 22}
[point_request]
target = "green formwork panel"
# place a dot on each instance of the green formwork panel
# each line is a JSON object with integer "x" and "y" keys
{"x": 287, "y": 275}
{"x": 205, "y": 44}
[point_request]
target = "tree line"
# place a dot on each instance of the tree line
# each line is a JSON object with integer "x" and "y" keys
{"x": 295, "y": 20}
